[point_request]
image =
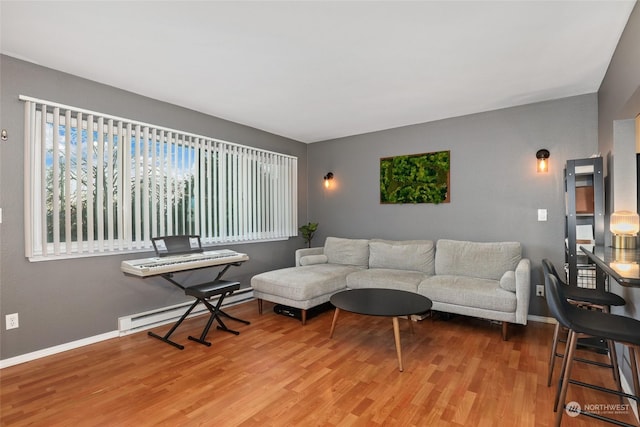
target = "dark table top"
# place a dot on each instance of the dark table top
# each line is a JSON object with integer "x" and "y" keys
{"x": 381, "y": 302}
{"x": 621, "y": 264}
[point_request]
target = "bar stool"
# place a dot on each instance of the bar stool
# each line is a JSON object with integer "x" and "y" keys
{"x": 589, "y": 323}
{"x": 587, "y": 298}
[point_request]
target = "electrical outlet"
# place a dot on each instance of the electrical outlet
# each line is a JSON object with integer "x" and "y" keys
{"x": 540, "y": 290}
{"x": 11, "y": 321}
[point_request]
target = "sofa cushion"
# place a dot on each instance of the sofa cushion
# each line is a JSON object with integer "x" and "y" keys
{"x": 303, "y": 283}
{"x": 476, "y": 259}
{"x": 313, "y": 259}
{"x": 468, "y": 292}
{"x": 385, "y": 278}
{"x": 347, "y": 251}
{"x": 508, "y": 281}
{"x": 413, "y": 255}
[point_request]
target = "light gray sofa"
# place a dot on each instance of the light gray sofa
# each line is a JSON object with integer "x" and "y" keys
{"x": 486, "y": 280}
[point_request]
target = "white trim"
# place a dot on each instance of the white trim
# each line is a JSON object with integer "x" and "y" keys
{"x": 541, "y": 319}
{"x": 57, "y": 349}
{"x": 131, "y": 324}
{"x": 38, "y": 354}
{"x": 39, "y": 258}
{"x": 139, "y": 219}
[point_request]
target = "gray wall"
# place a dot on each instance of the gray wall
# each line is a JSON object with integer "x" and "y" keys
{"x": 62, "y": 301}
{"x": 495, "y": 190}
{"x": 619, "y": 100}
{"x": 619, "y": 94}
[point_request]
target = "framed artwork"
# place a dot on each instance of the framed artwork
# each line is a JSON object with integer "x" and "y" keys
{"x": 415, "y": 178}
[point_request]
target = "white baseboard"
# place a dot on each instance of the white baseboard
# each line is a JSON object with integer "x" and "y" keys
{"x": 242, "y": 297}
{"x": 541, "y": 319}
{"x": 56, "y": 349}
{"x": 165, "y": 315}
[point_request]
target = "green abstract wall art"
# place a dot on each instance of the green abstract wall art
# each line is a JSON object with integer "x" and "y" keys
{"x": 415, "y": 178}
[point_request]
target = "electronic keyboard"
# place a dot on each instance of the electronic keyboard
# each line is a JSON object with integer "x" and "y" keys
{"x": 170, "y": 264}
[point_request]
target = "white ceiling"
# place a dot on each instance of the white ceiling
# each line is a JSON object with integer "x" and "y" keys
{"x": 314, "y": 71}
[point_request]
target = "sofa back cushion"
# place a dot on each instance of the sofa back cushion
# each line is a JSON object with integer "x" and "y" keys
{"x": 347, "y": 251}
{"x": 476, "y": 259}
{"x": 412, "y": 255}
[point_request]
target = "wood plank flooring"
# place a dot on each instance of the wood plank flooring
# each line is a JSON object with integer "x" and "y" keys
{"x": 279, "y": 373}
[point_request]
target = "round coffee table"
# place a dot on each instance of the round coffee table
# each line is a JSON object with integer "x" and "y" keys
{"x": 381, "y": 302}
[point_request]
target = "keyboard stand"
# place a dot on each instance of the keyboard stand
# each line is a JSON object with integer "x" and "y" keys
{"x": 202, "y": 293}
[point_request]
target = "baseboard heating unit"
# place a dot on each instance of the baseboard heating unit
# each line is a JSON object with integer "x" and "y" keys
{"x": 161, "y": 316}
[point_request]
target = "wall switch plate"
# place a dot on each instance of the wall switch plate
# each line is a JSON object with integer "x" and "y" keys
{"x": 11, "y": 321}
{"x": 540, "y": 290}
{"x": 542, "y": 214}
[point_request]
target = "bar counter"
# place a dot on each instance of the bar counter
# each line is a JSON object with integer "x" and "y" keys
{"x": 623, "y": 265}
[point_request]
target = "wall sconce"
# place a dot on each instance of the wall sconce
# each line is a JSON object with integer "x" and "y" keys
{"x": 624, "y": 226}
{"x": 327, "y": 179}
{"x": 543, "y": 160}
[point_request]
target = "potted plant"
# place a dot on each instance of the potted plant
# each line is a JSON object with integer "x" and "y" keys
{"x": 307, "y": 231}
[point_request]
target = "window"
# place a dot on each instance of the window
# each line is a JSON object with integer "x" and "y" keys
{"x": 97, "y": 184}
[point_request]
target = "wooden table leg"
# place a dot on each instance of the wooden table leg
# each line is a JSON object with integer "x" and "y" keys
{"x": 396, "y": 335}
{"x": 410, "y": 324}
{"x": 333, "y": 324}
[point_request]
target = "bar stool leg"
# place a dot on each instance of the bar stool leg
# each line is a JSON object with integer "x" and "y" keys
{"x": 568, "y": 364}
{"x": 634, "y": 370}
{"x": 613, "y": 358}
{"x": 563, "y": 369}
{"x": 554, "y": 348}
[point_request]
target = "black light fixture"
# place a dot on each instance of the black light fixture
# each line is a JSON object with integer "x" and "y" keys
{"x": 543, "y": 160}
{"x": 327, "y": 179}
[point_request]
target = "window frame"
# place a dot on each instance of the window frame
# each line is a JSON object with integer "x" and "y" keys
{"x": 251, "y": 197}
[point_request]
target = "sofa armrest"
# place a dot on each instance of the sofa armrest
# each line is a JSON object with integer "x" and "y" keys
{"x": 523, "y": 290}
{"x": 308, "y": 251}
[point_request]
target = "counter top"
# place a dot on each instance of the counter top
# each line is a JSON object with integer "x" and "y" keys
{"x": 623, "y": 265}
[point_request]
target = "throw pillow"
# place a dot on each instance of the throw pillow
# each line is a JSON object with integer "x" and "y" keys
{"x": 313, "y": 259}
{"x": 508, "y": 281}
{"x": 347, "y": 251}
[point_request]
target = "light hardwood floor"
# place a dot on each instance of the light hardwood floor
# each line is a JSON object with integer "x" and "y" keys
{"x": 279, "y": 373}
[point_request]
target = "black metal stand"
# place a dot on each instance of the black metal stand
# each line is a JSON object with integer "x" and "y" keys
{"x": 214, "y": 310}
{"x": 165, "y": 338}
{"x": 203, "y": 292}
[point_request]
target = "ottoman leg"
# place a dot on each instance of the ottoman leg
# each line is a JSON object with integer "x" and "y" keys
{"x": 259, "y": 306}
{"x": 304, "y": 317}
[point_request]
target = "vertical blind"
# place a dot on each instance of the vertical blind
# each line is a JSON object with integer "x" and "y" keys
{"x": 98, "y": 184}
